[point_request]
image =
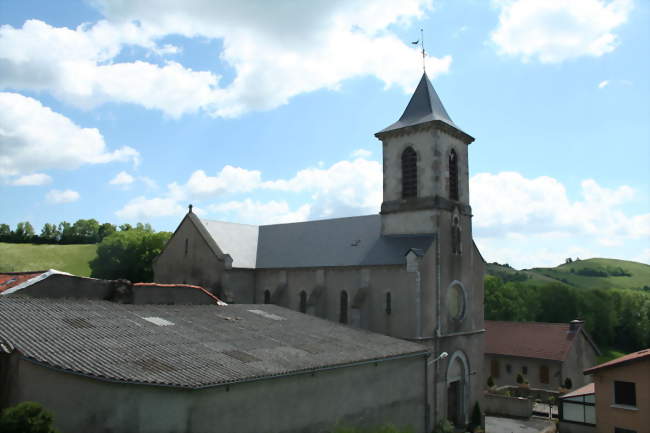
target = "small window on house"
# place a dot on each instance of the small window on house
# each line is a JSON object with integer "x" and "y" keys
{"x": 524, "y": 370}
{"x": 508, "y": 368}
{"x": 187, "y": 245}
{"x": 543, "y": 374}
{"x": 389, "y": 306}
{"x": 494, "y": 368}
{"x": 625, "y": 393}
{"x": 267, "y": 297}
{"x": 303, "y": 302}
{"x": 409, "y": 173}
{"x": 343, "y": 313}
{"x": 453, "y": 175}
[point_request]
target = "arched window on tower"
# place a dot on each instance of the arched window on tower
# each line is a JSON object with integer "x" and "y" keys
{"x": 343, "y": 313}
{"x": 409, "y": 173}
{"x": 455, "y": 235}
{"x": 267, "y": 297}
{"x": 389, "y": 303}
{"x": 453, "y": 175}
{"x": 303, "y": 301}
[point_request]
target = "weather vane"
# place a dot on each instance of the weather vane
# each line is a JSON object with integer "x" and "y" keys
{"x": 421, "y": 42}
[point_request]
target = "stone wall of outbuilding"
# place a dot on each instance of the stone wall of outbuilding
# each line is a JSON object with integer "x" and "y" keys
{"x": 370, "y": 394}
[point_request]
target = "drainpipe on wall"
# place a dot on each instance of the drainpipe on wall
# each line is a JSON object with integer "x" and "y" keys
{"x": 427, "y": 409}
{"x": 436, "y": 337}
{"x": 418, "y": 303}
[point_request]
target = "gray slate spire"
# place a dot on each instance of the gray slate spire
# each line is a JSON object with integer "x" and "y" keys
{"x": 424, "y": 106}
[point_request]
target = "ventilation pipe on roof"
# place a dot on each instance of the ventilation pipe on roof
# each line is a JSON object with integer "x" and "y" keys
{"x": 575, "y": 325}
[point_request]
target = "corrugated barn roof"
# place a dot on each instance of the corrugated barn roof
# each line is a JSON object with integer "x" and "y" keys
{"x": 190, "y": 346}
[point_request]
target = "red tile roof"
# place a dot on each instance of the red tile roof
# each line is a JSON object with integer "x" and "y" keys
{"x": 190, "y": 286}
{"x": 530, "y": 339}
{"x": 585, "y": 390}
{"x": 11, "y": 279}
{"x": 632, "y": 357}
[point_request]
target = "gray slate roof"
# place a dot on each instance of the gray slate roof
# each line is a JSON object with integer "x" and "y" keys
{"x": 238, "y": 240}
{"x": 191, "y": 346}
{"x": 424, "y": 106}
{"x": 354, "y": 241}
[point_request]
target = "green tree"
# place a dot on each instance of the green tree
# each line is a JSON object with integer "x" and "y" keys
{"x": 128, "y": 254}
{"x": 106, "y": 229}
{"x": 125, "y": 227}
{"x": 85, "y": 231}
{"x": 5, "y": 233}
{"x": 26, "y": 417}
{"x": 65, "y": 230}
{"x": 24, "y": 232}
{"x": 50, "y": 234}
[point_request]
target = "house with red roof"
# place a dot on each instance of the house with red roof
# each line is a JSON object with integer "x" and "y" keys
{"x": 622, "y": 393}
{"x": 545, "y": 354}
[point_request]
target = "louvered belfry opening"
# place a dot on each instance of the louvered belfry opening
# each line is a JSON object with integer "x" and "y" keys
{"x": 409, "y": 173}
{"x": 453, "y": 175}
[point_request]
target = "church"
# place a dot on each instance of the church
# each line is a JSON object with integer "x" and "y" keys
{"x": 412, "y": 271}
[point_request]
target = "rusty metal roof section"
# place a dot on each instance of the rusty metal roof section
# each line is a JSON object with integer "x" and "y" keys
{"x": 200, "y": 345}
{"x": 541, "y": 340}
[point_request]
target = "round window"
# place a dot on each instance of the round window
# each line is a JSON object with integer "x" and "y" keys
{"x": 456, "y": 301}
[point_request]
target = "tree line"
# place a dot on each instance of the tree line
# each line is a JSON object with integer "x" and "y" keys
{"x": 613, "y": 317}
{"x": 83, "y": 231}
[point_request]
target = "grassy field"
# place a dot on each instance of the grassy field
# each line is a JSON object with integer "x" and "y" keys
{"x": 32, "y": 257}
{"x": 609, "y": 353}
{"x": 637, "y": 274}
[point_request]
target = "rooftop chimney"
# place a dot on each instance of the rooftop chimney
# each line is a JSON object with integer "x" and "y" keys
{"x": 575, "y": 324}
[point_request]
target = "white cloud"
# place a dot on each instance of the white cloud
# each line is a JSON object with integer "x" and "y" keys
{"x": 255, "y": 212}
{"x": 33, "y": 137}
{"x": 556, "y": 30}
{"x": 346, "y": 188}
{"x": 66, "y": 196}
{"x": 141, "y": 208}
{"x": 229, "y": 180}
{"x": 277, "y": 52}
{"x": 508, "y": 203}
{"x": 32, "y": 180}
{"x": 122, "y": 178}
{"x": 603, "y": 84}
{"x": 361, "y": 153}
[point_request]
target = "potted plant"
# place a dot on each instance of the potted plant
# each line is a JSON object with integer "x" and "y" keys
{"x": 490, "y": 383}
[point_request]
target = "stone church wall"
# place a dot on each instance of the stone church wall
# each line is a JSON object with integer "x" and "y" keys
{"x": 366, "y": 288}
{"x": 195, "y": 264}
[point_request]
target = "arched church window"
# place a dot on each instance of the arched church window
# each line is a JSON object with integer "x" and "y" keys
{"x": 187, "y": 245}
{"x": 343, "y": 313}
{"x": 455, "y": 236}
{"x": 453, "y": 175}
{"x": 389, "y": 302}
{"x": 409, "y": 173}
{"x": 303, "y": 302}
{"x": 267, "y": 296}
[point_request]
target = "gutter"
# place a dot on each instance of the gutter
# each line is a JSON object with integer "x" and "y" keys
{"x": 436, "y": 342}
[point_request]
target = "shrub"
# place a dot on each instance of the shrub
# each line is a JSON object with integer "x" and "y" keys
{"x": 568, "y": 384}
{"x": 443, "y": 426}
{"x": 490, "y": 382}
{"x": 475, "y": 421}
{"x": 26, "y": 417}
{"x": 520, "y": 378}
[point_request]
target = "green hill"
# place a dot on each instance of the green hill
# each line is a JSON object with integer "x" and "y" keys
{"x": 594, "y": 273}
{"x": 37, "y": 257}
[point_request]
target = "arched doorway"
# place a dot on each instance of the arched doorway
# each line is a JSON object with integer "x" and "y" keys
{"x": 457, "y": 388}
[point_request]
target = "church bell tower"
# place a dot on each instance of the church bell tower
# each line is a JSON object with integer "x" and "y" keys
{"x": 425, "y": 167}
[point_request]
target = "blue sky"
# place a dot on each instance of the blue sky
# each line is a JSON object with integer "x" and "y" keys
{"x": 129, "y": 111}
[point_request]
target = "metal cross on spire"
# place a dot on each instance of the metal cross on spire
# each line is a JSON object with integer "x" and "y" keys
{"x": 421, "y": 43}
